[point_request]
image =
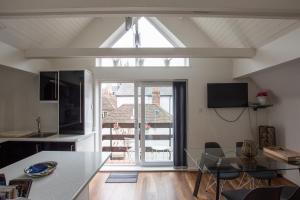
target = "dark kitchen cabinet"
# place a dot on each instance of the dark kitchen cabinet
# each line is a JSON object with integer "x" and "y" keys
{"x": 73, "y": 90}
{"x": 71, "y": 102}
{"x": 58, "y": 146}
{"x": 48, "y": 86}
{"x": 2, "y": 155}
{"x": 14, "y": 151}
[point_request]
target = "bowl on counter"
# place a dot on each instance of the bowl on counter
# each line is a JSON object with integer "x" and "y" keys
{"x": 40, "y": 169}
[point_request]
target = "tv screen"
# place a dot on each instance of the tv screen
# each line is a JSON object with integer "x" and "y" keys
{"x": 227, "y": 95}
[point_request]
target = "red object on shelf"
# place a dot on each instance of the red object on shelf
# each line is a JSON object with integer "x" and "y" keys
{"x": 262, "y": 94}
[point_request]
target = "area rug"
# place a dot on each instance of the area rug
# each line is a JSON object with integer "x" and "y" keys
{"x": 122, "y": 177}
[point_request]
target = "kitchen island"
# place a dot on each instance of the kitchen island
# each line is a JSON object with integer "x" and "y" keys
{"x": 69, "y": 181}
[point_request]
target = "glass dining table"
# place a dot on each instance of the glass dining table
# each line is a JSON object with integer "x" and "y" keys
{"x": 231, "y": 161}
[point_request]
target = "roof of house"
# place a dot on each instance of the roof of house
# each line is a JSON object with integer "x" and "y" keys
{"x": 125, "y": 114}
{"x": 127, "y": 89}
{"x": 109, "y": 103}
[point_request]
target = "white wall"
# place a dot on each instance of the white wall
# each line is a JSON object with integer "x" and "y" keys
{"x": 284, "y": 81}
{"x": 19, "y": 103}
{"x": 203, "y": 124}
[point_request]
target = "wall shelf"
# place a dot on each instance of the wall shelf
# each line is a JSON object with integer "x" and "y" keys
{"x": 256, "y": 106}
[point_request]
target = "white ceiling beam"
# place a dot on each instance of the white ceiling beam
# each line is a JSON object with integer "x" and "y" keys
{"x": 228, "y": 8}
{"x": 141, "y": 52}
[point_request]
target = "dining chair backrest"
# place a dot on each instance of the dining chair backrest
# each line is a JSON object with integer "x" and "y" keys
{"x": 213, "y": 148}
{"x": 238, "y": 148}
{"x": 264, "y": 193}
{"x": 208, "y": 161}
{"x": 296, "y": 195}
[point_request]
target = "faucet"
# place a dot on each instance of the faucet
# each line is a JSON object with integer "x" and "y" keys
{"x": 38, "y": 121}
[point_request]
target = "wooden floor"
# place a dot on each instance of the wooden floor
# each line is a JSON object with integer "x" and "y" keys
{"x": 158, "y": 186}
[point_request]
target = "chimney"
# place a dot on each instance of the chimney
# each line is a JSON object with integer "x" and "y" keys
{"x": 156, "y": 96}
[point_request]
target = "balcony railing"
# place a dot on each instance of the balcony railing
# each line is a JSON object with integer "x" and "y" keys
{"x": 123, "y": 147}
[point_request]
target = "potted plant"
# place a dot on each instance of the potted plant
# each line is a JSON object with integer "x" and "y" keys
{"x": 116, "y": 126}
{"x": 147, "y": 127}
{"x": 116, "y": 62}
{"x": 140, "y": 62}
{"x": 262, "y": 97}
{"x": 167, "y": 61}
{"x": 249, "y": 148}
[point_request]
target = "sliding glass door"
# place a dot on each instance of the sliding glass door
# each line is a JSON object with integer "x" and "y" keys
{"x": 155, "y": 108}
{"x": 118, "y": 122}
{"x": 137, "y": 122}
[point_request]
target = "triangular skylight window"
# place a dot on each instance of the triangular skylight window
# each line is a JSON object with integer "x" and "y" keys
{"x": 142, "y": 34}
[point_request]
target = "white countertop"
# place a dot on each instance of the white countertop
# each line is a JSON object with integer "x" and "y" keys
{"x": 16, "y": 133}
{"x": 73, "y": 173}
{"x": 53, "y": 138}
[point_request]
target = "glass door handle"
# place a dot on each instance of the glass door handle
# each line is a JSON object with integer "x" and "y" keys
{"x": 55, "y": 87}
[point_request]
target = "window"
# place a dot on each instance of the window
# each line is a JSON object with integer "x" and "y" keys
{"x": 143, "y": 34}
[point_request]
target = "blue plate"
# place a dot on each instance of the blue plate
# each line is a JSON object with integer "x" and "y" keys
{"x": 41, "y": 169}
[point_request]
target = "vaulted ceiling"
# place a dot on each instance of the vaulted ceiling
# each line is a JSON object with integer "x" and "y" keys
{"x": 26, "y": 33}
{"x": 244, "y": 32}
{"x": 51, "y": 32}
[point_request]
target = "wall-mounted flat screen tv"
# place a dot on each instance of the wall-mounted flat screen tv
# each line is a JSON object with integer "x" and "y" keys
{"x": 227, "y": 95}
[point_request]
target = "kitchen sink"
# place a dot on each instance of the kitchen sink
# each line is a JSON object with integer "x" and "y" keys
{"x": 42, "y": 134}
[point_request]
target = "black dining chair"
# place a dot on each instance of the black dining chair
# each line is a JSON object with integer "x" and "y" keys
{"x": 213, "y": 148}
{"x": 255, "y": 194}
{"x": 238, "y": 148}
{"x": 262, "y": 173}
{"x": 290, "y": 193}
{"x": 215, "y": 151}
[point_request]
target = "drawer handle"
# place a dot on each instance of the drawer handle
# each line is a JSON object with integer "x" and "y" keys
{"x": 37, "y": 148}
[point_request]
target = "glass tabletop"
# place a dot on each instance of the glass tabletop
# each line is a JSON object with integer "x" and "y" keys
{"x": 215, "y": 160}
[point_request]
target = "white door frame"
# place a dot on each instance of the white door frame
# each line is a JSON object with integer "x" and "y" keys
{"x": 139, "y": 144}
{"x": 136, "y": 124}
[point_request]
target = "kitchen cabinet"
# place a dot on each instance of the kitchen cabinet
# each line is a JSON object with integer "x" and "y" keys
{"x": 58, "y": 146}
{"x": 49, "y": 86}
{"x": 73, "y": 90}
{"x": 13, "y": 151}
{"x": 71, "y": 102}
{"x": 75, "y": 102}
{"x": 2, "y": 155}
